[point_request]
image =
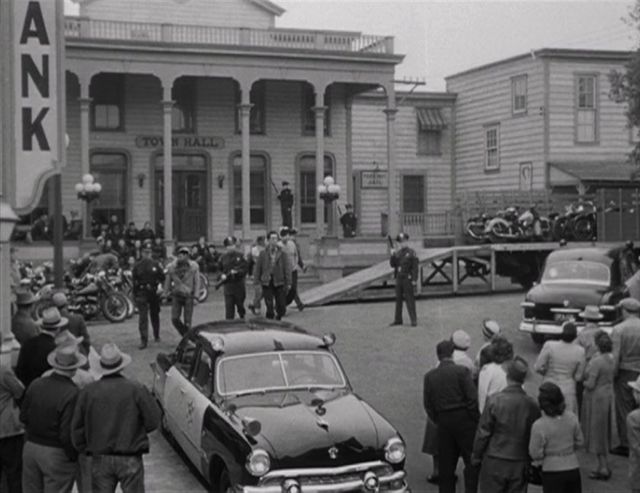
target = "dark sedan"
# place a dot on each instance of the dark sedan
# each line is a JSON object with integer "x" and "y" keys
{"x": 265, "y": 407}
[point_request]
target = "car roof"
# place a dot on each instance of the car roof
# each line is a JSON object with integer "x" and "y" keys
{"x": 258, "y": 335}
{"x": 595, "y": 254}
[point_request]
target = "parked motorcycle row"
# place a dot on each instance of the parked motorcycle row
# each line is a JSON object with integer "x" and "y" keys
{"x": 107, "y": 294}
{"x": 578, "y": 223}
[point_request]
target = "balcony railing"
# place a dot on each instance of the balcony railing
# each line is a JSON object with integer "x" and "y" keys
{"x": 335, "y": 41}
{"x": 422, "y": 224}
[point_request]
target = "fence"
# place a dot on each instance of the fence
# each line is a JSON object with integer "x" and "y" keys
{"x": 428, "y": 224}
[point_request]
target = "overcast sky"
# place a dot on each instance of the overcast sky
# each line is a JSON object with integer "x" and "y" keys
{"x": 440, "y": 38}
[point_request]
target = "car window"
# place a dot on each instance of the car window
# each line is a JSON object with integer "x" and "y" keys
{"x": 576, "y": 271}
{"x": 247, "y": 373}
{"x": 202, "y": 377}
{"x": 186, "y": 356}
{"x": 311, "y": 369}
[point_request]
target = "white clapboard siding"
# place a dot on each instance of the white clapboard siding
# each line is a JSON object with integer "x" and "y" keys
{"x": 229, "y": 13}
{"x": 484, "y": 97}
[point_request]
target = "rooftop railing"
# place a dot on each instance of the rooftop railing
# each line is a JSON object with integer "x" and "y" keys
{"x": 335, "y": 41}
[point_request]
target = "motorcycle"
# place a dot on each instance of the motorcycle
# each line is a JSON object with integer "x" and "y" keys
{"x": 475, "y": 228}
{"x": 504, "y": 227}
{"x": 583, "y": 224}
{"x": 120, "y": 280}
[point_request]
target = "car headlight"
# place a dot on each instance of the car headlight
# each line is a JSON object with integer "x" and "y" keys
{"x": 258, "y": 463}
{"x": 394, "y": 450}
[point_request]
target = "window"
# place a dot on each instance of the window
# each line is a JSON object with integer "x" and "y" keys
{"x": 586, "y": 108}
{"x": 429, "y": 142}
{"x": 257, "y": 117}
{"x": 257, "y": 193}
{"x": 183, "y": 114}
{"x": 308, "y": 187}
{"x": 413, "y": 196}
{"x": 186, "y": 356}
{"x": 492, "y": 147}
{"x": 430, "y": 123}
{"x": 202, "y": 377}
{"x": 308, "y": 113}
{"x": 519, "y": 94}
{"x": 110, "y": 170}
{"x": 107, "y": 102}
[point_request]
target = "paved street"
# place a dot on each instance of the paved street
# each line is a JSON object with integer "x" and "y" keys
{"x": 385, "y": 366}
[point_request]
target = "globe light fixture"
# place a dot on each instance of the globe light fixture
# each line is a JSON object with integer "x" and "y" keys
{"x": 329, "y": 191}
{"x": 88, "y": 189}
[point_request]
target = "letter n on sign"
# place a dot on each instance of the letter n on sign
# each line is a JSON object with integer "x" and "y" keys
{"x": 38, "y": 88}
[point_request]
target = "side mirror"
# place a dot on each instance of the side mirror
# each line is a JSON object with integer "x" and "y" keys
{"x": 165, "y": 361}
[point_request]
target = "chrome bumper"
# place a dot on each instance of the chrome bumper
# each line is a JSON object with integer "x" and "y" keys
{"x": 534, "y": 327}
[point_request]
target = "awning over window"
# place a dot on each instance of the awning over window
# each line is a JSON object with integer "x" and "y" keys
{"x": 568, "y": 172}
{"x": 430, "y": 119}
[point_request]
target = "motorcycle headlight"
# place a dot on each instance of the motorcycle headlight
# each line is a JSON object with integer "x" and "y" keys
{"x": 394, "y": 450}
{"x": 258, "y": 463}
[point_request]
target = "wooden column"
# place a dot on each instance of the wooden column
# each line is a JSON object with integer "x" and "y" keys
{"x": 85, "y": 108}
{"x": 319, "y": 110}
{"x": 167, "y": 107}
{"x": 391, "y": 111}
{"x": 349, "y": 149}
{"x": 245, "y": 113}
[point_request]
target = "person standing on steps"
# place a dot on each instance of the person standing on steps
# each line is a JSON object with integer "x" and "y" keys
{"x": 405, "y": 265}
{"x": 286, "y": 204}
{"x": 148, "y": 276}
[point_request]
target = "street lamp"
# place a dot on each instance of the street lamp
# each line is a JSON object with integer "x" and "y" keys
{"x": 329, "y": 191}
{"x": 88, "y": 189}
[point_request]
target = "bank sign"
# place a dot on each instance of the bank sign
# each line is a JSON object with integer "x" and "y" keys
{"x": 38, "y": 95}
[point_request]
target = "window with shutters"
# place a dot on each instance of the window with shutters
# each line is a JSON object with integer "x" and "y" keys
{"x": 586, "y": 108}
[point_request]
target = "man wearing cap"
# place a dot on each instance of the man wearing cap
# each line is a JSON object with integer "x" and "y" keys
{"x": 633, "y": 437}
{"x": 22, "y": 324}
{"x": 405, "y": 266}
{"x": 233, "y": 266}
{"x": 286, "y": 204}
{"x": 626, "y": 358}
{"x": 501, "y": 445}
{"x": 147, "y": 276}
{"x": 349, "y": 222}
{"x": 32, "y": 359}
{"x": 115, "y": 441}
{"x": 76, "y": 325}
{"x": 49, "y": 458}
{"x": 273, "y": 272}
{"x": 182, "y": 283}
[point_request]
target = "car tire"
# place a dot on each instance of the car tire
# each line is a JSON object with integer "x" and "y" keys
{"x": 538, "y": 339}
{"x": 223, "y": 483}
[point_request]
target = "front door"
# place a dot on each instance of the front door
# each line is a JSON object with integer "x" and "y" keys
{"x": 189, "y": 203}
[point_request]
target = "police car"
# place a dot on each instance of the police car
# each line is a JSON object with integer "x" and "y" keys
{"x": 261, "y": 406}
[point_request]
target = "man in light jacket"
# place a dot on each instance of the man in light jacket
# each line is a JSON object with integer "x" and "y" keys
{"x": 273, "y": 272}
{"x": 182, "y": 283}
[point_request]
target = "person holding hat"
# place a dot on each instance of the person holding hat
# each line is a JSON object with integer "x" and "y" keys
{"x": 76, "y": 325}
{"x": 349, "y": 222}
{"x": 147, "y": 277}
{"x": 49, "y": 457}
{"x": 182, "y": 283}
{"x": 633, "y": 438}
{"x": 116, "y": 442}
{"x": 501, "y": 444}
{"x": 23, "y": 326}
{"x": 626, "y": 358}
{"x": 405, "y": 267}
{"x": 32, "y": 358}
{"x": 233, "y": 266}
{"x": 286, "y": 204}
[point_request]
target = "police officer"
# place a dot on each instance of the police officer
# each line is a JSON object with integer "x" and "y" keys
{"x": 405, "y": 265}
{"x": 349, "y": 222}
{"x": 148, "y": 276}
{"x": 233, "y": 266}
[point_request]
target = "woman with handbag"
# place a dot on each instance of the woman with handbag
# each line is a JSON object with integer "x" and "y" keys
{"x": 555, "y": 437}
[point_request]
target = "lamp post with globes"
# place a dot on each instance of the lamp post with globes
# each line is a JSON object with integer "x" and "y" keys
{"x": 329, "y": 191}
{"x": 8, "y": 220}
{"x": 88, "y": 189}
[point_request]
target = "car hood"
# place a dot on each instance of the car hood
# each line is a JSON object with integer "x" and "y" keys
{"x": 299, "y": 427}
{"x": 578, "y": 295}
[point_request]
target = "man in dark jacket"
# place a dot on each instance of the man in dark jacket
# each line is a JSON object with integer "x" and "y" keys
{"x": 273, "y": 272}
{"x": 286, "y": 204}
{"x": 501, "y": 446}
{"x": 76, "y": 325}
{"x": 233, "y": 266}
{"x": 405, "y": 265}
{"x": 22, "y": 324}
{"x": 451, "y": 402}
{"x": 147, "y": 276}
{"x": 49, "y": 458}
{"x": 115, "y": 441}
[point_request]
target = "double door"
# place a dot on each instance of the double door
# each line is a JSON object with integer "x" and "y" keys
{"x": 189, "y": 203}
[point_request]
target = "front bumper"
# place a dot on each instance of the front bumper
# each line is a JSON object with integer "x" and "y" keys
{"x": 547, "y": 328}
{"x": 329, "y": 480}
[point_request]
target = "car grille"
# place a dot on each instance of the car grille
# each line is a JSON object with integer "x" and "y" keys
{"x": 323, "y": 480}
{"x": 542, "y": 312}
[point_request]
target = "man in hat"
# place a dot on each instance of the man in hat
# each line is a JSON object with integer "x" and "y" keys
{"x": 273, "y": 273}
{"x": 626, "y": 357}
{"x": 115, "y": 441}
{"x": 233, "y": 268}
{"x": 286, "y": 204}
{"x": 49, "y": 458}
{"x": 462, "y": 343}
{"x": 501, "y": 445}
{"x": 182, "y": 283}
{"x": 22, "y": 324}
{"x": 633, "y": 438}
{"x": 349, "y": 222}
{"x": 405, "y": 266}
{"x": 490, "y": 329}
{"x": 32, "y": 359}
{"x": 147, "y": 276}
{"x": 76, "y": 325}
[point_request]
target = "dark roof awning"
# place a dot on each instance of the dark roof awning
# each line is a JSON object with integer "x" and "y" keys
{"x": 430, "y": 119}
{"x": 568, "y": 172}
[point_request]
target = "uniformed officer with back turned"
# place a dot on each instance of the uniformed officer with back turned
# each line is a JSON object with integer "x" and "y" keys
{"x": 233, "y": 266}
{"x": 148, "y": 276}
{"x": 405, "y": 265}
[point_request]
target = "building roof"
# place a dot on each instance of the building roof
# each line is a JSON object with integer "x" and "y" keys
{"x": 265, "y": 4}
{"x": 598, "y": 171}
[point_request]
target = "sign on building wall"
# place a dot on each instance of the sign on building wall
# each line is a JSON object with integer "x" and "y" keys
{"x": 38, "y": 88}
{"x": 374, "y": 179}
{"x": 526, "y": 176}
{"x": 182, "y": 141}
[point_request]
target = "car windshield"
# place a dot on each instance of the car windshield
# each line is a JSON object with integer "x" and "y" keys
{"x": 578, "y": 271}
{"x": 278, "y": 371}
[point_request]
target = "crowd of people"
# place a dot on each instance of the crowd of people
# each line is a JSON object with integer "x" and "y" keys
{"x": 477, "y": 409}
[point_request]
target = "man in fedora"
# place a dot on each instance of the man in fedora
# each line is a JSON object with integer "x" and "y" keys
{"x": 49, "y": 458}
{"x": 626, "y": 358}
{"x": 633, "y": 437}
{"x": 22, "y": 324}
{"x": 115, "y": 441}
{"x": 76, "y": 325}
{"x": 32, "y": 359}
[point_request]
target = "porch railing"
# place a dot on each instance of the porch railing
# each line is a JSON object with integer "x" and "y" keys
{"x": 428, "y": 224}
{"x": 336, "y": 41}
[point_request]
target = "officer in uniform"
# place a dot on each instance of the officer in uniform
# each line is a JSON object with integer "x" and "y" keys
{"x": 148, "y": 276}
{"x": 286, "y": 204}
{"x": 233, "y": 266}
{"x": 405, "y": 265}
{"x": 349, "y": 222}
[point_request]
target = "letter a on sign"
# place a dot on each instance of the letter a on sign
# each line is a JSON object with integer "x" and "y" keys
{"x": 38, "y": 88}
